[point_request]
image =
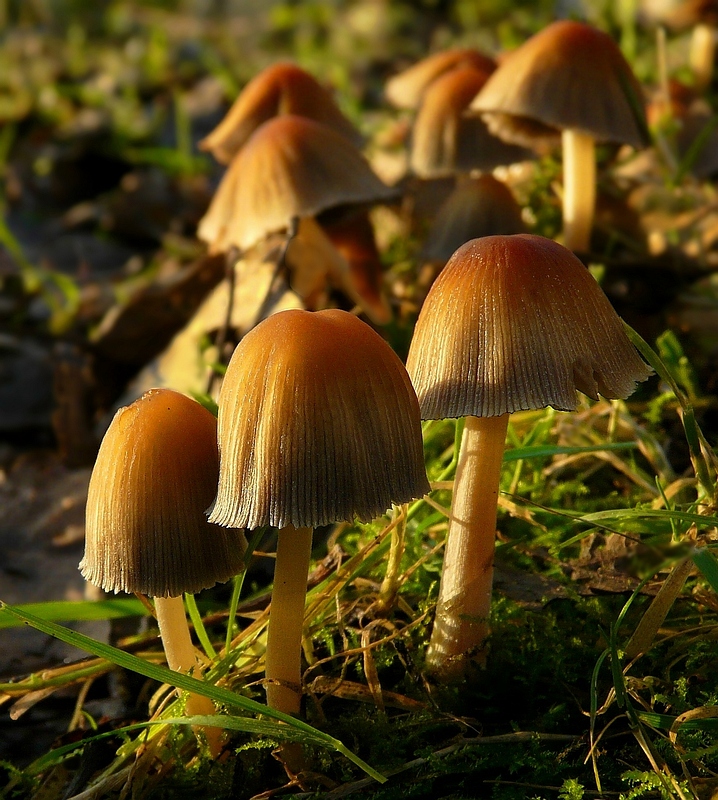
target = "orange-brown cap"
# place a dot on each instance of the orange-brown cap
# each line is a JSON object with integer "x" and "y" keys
{"x": 290, "y": 167}
{"x": 480, "y": 206}
{"x": 570, "y": 75}
{"x": 445, "y": 141}
{"x": 282, "y": 88}
{"x": 318, "y": 422}
{"x": 513, "y": 323}
{"x": 680, "y": 14}
{"x": 155, "y": 475}
{"x": 405, "y": 90}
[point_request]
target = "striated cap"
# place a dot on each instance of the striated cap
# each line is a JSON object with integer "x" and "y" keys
{"x": 290, "y": 167}
{"x": 514, "y": 323}
{"x": 318, "y": 422}
{"x": 406, "y": 89}
{"x": 480, "y": 206}
{"x": 445, "y": 141}
{"x": 155, "y": 475}
{"x": 568, "y": 76}
{"x": 282, "y": 88}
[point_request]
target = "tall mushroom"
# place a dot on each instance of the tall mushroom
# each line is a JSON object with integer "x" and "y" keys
{"x": 569, "y": 80}
{"x": 318, "y": 422}
{"x": 146, "y": 529}
{"x": 511, "y": 323}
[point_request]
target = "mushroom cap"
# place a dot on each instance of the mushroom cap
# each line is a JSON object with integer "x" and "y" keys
{"x": 405, "y": 90}
{"x": 445, "y": 141}
{"x": 318, "y": 422}
{"x": 155, "y": 475}
{"x": 478, "y": 207}
{"x": 680, "y": 14}
{"x": 568, "y": 76}
{"x": 514, "y": 323}
{"x": 290, "y": 167}
{"x": 282, "y": 88}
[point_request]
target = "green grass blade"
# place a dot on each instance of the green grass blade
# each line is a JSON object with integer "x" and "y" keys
{"x": 708, "y": 565}
{"x": 189, "y": 684}
{"x": 76, "y": 611}
{"x": 542, "y": 451}
{"x": 199, "y": 628}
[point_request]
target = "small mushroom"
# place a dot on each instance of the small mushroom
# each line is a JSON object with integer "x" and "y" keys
{"x": 282, "y": 88}
{"x": 445, "y": 141}
{"x": 146, "y": 529}
{"x": 318, "y": 423}
{"x": 291, "y": 167}
{"x": 511, "y": 323}
{"x": 406, "y": 89}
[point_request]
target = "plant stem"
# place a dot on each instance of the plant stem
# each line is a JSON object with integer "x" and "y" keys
{"x": 390, "y": 584}
{"x": 179, "y": 650}
{"x": 461, "y": 622}
{"x": 579, "y": 189}
{"x": 286, "y": 618}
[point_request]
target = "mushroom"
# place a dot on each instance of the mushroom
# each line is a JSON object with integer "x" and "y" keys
{"x": 318, "y": 423}
{"x": 406, "y": 89}
{"x": 146, "y": 529}
{"x": 282, "y": 88}
{"x": 701, "y": 18}
{"x": 571, "y": 80}
{"x": 291, "y": 167}
{"x": 445, "y": 141}
{"x": 481, "y": 206}
{"x": 511, "y": 323}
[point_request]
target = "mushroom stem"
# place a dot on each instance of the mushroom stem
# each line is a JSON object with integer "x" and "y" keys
{"x": 179, "y": 650}
{"x": 462, "y": 612}
{"x": 284, "y": 634}
{"x": 702, "y": 54}
{"x": 579, "y": 189}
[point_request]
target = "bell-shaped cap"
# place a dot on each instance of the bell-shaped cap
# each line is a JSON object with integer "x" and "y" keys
{"x": 478, "y": 207}
{"x": 155, "y": 475}
{"x": 572, "y": 76}
{"x": 445, "y": 141}
{"x": 291, "y": 167}
{"x": 318, "y": 423}
{"x": 514, "y": 323}
{"x": 282, "y": 88}
{"x": 406, "y": 89}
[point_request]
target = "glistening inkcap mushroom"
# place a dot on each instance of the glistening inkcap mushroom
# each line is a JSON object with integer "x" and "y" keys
{"x": 569, "y": 80}
{"x": 511, "y": 323}
{"x": 146, "y": 529}
{"x": 281, "y": 88}
{"x": 318, "y": 423}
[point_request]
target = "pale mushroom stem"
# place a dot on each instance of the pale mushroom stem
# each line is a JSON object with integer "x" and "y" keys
{"x": 579, "y": 189}
{"x": 461, "y": 622}
{"x": 286, "y": 618}
{"x": 702, "y": 55}
{"x": 179, "y": 651}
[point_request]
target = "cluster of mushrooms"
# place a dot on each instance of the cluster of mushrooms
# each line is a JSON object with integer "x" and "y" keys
{"x": 319, "y": 420}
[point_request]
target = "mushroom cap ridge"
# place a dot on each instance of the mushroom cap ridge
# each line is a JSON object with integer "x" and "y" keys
{"x": 514, "y": 323}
